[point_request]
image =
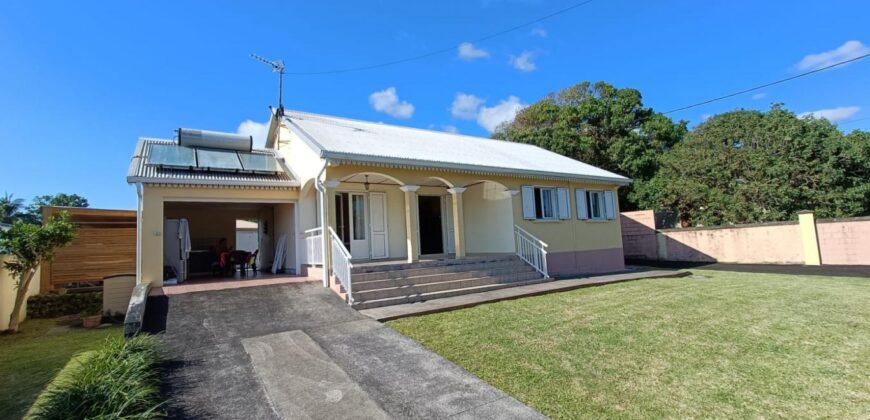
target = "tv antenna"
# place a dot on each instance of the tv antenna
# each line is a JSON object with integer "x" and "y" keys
{"x": 277, "y": 67}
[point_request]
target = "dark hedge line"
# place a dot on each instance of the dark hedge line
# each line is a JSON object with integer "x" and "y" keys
{"x": 53, "y": 306}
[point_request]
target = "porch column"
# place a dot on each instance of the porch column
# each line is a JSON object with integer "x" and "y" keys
{"x": 327, "y": 213}
{"x": 411, "y": 221}
{"x": 458, "y": 221}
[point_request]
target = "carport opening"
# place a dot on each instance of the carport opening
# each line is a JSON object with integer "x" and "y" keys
{"x": 215, "y": 240}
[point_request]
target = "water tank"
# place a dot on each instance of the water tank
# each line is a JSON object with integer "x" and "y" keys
{"x": 214, "y": 140}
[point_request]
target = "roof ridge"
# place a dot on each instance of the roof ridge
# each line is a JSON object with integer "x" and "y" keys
{"x": 408, "y": 127}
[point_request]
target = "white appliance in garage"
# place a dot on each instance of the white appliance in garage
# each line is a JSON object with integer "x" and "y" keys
{"x": 176, "y": 247}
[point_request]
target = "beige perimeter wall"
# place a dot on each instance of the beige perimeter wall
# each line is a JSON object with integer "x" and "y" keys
{"x": 8, "y": 291}
{"x": 839, "y": 241}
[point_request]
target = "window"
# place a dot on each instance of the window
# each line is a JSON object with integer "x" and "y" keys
{"x": 359, "y": 216}
{"x": 545, "y": 203}
{"x": 596, "y": 204}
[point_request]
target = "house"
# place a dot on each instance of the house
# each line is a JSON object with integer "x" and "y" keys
{"x": 395, "y": 198}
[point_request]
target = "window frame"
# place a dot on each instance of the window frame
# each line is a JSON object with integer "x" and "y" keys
{"x": 539, "y": 203}
{"x": 600, "y": 202}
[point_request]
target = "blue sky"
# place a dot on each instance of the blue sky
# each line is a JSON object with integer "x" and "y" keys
{"x": 81, "y": 81}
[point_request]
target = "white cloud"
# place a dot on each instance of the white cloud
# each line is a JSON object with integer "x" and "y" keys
{"x": 491, "y": 117}
{"x": 847, "y": 51}
{"x": 255, "y": 129}
{"x": 705, "y": 117}
{"x": 540, "y": 32}
{"x": 833, "y": 114}
{"x": 467, "y": 51}
{"x": 387, "y": 101}
{"x": 465, "y": 106}
{"x": 759, "y": 96}
{"x": 524, "y": 61}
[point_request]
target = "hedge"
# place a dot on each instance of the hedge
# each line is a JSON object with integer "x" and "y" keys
{"x": 118, "y": 380}
{"x": 53, "y": 306}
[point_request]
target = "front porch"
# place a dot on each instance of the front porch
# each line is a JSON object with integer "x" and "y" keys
{"x": 390, "y": 242}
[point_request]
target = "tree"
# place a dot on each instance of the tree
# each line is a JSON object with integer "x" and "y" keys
{"x": 10, "y": 208}
{"x": 601, "y": 125}
{"x": 751, "y": 166}
{"x": 29, "y": 245}
{"x": 34, "y": 210}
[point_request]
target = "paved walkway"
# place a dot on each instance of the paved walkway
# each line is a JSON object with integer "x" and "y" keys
{"x": 387, "y": 313}
{"x": 297, "y": 351}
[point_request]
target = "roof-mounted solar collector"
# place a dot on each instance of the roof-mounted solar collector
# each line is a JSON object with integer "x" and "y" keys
{"x": 214, "y": 140}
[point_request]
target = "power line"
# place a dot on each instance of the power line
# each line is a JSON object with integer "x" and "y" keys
{"x": 445, "y": 49}
{"x": 854, "y": 121}
{"x": 730, "y": 95}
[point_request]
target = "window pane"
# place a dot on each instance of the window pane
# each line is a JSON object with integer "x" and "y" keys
{"x": 359, "y": 225}
{"x": 596, "y": 204}
{"x": 539, "y": 211}
{"x": 547, "y": 202}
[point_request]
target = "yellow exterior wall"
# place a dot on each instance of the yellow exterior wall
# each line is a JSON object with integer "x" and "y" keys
{"x": 8, "y": 292}
{"x": 284, "y": 223}
{"x": 489, "y": 220}
{"x": 154, "y": 197}
{"x": 560, "y": 235}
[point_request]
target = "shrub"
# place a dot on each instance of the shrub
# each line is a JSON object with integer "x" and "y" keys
{"x": 118, "y": 380}
{"x": 53, "y": 306}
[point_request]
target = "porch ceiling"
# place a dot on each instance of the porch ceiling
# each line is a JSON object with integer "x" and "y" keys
{"x": 382, "y": 180}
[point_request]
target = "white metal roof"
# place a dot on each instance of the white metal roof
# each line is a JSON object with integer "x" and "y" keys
{"x": 139, "y": 171}
{"x": 362, "y": 141}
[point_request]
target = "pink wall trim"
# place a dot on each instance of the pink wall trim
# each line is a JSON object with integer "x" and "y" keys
{"x": 844, "y": 242}
{"x": 582, "y": 262}
{"x": 638, "y": 234}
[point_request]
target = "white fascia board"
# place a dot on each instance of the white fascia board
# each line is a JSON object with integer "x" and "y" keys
{"x": 474, "y": 168}
{"x": 209, "y": 182}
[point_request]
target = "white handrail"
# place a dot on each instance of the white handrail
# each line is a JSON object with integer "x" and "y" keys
{"x": 341, "y": 265}
{"x": 531, "y": 250}
{"x": 314, "y": 245}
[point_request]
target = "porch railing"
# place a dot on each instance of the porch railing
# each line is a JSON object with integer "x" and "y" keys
{"x": 341, "y": 265}
{"x": 531, "y": 250}
{"x": 314, "y": 246}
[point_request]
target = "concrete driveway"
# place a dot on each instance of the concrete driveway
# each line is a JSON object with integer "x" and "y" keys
{"x": 298, "y": 351}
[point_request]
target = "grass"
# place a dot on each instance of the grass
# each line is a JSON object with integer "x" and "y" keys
{"x": 31, "y": 358}
{"x": 119, "y": 380}
{"x": 715, "y": 344}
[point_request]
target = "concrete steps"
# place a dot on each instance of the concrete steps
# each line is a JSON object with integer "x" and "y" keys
{"x": 387, "y": 284}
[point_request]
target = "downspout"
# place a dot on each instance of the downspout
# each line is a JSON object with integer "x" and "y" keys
{"x": 321, "y": 190}
{"x": 139, "y": 194}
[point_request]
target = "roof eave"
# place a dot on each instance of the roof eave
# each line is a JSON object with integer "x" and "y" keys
{"x": 473, "y": 168}
{"x": 211, "y": 183}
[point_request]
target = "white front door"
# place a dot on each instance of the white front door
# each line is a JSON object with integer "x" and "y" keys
{"x": 378, "y": 214}
{"x": 450, "y": 243}
{"x": 359, "y": 243}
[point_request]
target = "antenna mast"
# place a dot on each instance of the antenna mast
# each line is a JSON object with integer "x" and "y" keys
{"x": 277, "y": 67}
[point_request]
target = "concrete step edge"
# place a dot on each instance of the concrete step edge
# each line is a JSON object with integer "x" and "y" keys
{"x": 359, "y": 305}
{"x": 444, "y": 285}
{"x": 413, "y": 272}
{"x": 428, "y": 278}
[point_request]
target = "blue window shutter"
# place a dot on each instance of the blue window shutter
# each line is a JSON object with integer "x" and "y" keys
{"x": 528, "y": 193}
{"x": 580, "y": 195}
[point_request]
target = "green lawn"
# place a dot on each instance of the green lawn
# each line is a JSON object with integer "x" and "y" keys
{"x": 31, "y": 358}
{"x": 715, "y": 344}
